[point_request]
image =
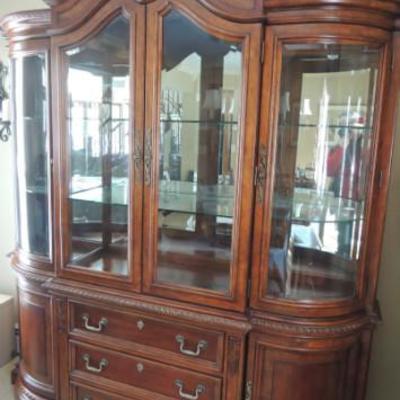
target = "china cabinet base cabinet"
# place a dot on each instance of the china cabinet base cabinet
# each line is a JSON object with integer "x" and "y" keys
{"x": 201, "y": 190}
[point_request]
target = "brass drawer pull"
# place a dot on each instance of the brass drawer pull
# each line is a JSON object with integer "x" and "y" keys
{"x": 87, "y": 398}
{"x": 140, "y": 368}
{"x": 199, "y": 390}
{"x": 102, "y": 324}
{"x": 140, "y": 325}
{"x": 103, "y": 364}
{"x": 202, "y": 345}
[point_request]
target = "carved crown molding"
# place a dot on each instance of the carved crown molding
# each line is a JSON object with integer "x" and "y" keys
{"x": 389, "y": 6}
{"x": 26, "y": 24}
{"x": 68, "y": 14}
{"x": 144, "y": 306}
{"x": 291, "y": 329}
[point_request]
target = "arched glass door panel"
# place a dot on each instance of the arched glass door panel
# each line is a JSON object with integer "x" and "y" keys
{"x": 201, "y": 87}
{"x": 202, "y": 142}
{"x": 98, "y": 129}
{"x": 322, "y": 164}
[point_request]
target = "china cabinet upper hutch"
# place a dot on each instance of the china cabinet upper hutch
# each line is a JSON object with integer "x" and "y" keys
{"x": 201, "y": 190}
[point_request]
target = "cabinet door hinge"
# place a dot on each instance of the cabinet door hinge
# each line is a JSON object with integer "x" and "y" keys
{"x": 249, "y": 390}
{"x": 262, "y": 54}
{"x": 380, "y": 179}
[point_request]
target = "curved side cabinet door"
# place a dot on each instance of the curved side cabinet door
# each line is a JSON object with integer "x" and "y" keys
{"x": 297, "y": 369}
{"x": 31, "y": 125}
{"x": 37, "y": 367}
{"x": 203, "y": 75}
{"x": 321, "y": 149}
{"x": 101, "y": 152}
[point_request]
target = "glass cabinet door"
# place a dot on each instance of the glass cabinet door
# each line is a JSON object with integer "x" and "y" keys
{"x": 198, "y": 150}
{"x": 100, "y": 121}
{"x": 30, "y": 94}
{"x": 322, "y": 164}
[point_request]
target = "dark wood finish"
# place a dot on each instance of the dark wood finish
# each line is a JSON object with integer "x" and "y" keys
{"x": 275, "y": 38}
{"x": 250, "y": 36}
{"x": 133, "y": 375}
{"x": 141, "y": 335}
{"x": 37, "y": 366}
{"x": 296, "y": 350}
{"x": 84, "y": 393}
{"x": 135, "y": 15}
{"x": 302, "y": 369}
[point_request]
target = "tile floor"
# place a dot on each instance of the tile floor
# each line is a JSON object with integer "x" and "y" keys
{"x": 6, "y": 392}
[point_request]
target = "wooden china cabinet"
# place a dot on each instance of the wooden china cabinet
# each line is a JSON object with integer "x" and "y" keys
{"x": 201, "y": 190}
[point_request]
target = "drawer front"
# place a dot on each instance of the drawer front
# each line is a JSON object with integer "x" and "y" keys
{"x": 193, "y": 344}
{"x": 91, "y": 363}
{"x": 81, "y": 393}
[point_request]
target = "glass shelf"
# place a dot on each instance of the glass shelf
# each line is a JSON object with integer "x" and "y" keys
{"x": 305, "y": 207}
{"x": 331, "y": 126}
{"x": 178, "y": 121}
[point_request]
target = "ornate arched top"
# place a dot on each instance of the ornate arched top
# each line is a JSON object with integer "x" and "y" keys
{"x": 371, "y": 12}
{"x": 66, "y": 15}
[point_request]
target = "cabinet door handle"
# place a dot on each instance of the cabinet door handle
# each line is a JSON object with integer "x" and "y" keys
{"x": 138, "y": 157}
{"x": 260, "y": 175}
{"x": 96, "y": 370}
{"x": 199, "y": 390}
{"x": 148, "y": 155}
{"x": 102, "y": 324}
{"x": 202, "y": 345}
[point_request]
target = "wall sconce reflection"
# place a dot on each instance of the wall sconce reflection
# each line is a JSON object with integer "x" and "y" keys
{"x": 5, "y": 124}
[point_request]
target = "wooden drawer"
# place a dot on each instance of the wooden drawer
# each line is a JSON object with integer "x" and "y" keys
{"x": 182, "y": 345}
{"x": 136, "y": 376}
{"x": 83, "y": 393}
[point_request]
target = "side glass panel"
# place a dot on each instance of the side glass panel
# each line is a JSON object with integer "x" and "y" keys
{"x": 30, "y": 90}
{"x": 198, "y": 156}
{"x": 323, "y": 154}
{"x": 98, "y": 115}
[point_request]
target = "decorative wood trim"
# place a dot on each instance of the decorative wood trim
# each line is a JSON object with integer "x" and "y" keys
{"x": 24, "y": 393}
{"x": 166, "y": 311}
{"x": 26, "y": 24}
{"x": 332, "y": 14}
{"x": 388, "y": 6}
{"x": 24, "y": 261}
{"x": 31, "y": 381}
{"x": 297, "y": 329}
{"x": 32, "y": 277}
{"x": 61, "y": 315}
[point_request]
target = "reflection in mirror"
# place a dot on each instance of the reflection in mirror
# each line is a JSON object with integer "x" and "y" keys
{"x": 98, "y": 128}
{"x": 32, "y": 144}
{"x": 323, "y": 152}
{"x": 199, "y": 126}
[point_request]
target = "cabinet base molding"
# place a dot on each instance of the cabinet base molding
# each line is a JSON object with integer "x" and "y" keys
{"x": 23, "y": 393}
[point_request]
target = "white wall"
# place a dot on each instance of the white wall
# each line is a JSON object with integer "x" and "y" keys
{"x": 7, "y": 223}
{"x": 384, "y": 376}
